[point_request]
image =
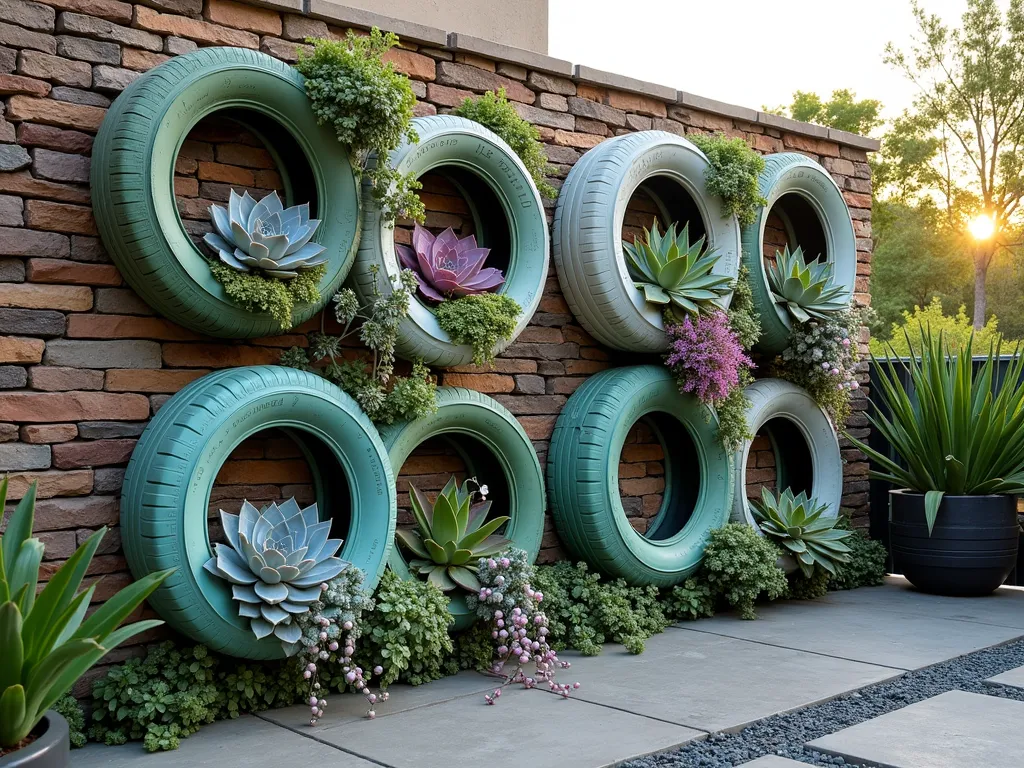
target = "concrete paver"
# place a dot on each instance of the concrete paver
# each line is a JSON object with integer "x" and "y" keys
{"x": 714, "y": 683}
{"x": 953, "y": 730}
{"x": 241, "y": 743}
{"x": 861, "y": 632}
{"x": 1012, "y": 677}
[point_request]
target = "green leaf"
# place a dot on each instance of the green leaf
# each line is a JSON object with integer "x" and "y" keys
{"x": 19, "y": 526}
{"x": 472, "y": 540}
{"x": 412, "y": 541}
{"x": 115, "y": 610}
{"x": 654, "y": 294}
{"x": 13, "y": 725}
{"x": 465, "y": 578}
{"x": 932, "y": 500}
{"x": 437, "y": 553}
{"x": 445, "y": 527}
{"x": 11, "y": 658}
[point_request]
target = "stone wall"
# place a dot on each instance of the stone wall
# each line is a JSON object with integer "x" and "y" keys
{"x": 84, "y": 362}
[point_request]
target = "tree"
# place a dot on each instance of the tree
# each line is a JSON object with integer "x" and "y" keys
{"x": 842, "y": 111}
{"x": 970, "y": 103}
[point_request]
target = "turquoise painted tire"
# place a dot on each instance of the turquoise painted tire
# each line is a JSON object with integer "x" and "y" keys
{"x": 133, "y": 170}
{"x": 499, "y": 447}
{"x": 791, "y": 173}
{"x": 484, "y": 164}
{"x": 583, "y": 478}
{"x": 167, "y": 489}
{"x": 804, "y": 442}
{"x": 587, "y": 233}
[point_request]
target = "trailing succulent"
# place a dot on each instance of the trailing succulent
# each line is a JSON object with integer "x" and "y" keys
{"x": 732, "y": 174}
{"x": 276, "y": 560}
{"x": 48, "y": 641}
{"x": 796, "y": 524}
{"x": 804, "y": 288}
{"x": 673, "y": 273}
{"x": 453, "y": 534}
{"x": 481, "y": 321}
{"x": 448, "y": 266}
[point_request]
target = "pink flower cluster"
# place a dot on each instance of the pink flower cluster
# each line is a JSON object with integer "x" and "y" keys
{"x": 705, "y": 356}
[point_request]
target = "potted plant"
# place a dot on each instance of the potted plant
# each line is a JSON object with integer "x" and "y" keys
{"x": 48, "y": 641}
{"x": 957, "y": 428}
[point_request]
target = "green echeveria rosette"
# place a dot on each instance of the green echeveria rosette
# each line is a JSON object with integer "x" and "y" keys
{"x": 805, "y": 288}
{"x": 797, "y": 525}
{"x": 277, "y": 560}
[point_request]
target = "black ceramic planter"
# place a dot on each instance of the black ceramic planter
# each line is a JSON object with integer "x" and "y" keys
{"x": 971, "y": 550}
{"x": 51, "y": 749}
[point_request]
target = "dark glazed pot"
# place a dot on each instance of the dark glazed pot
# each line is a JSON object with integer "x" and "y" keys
{"x": 51, "y": 749}
{"x": 971, "y": 550}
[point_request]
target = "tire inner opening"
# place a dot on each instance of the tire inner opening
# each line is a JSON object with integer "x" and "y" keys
{"x": 793, "y": 222}
{"x": 274, "y": 465}
{"x": 779, "y": 458}
{"x": 664, "y": 199}
{"x": 674, "y": 480}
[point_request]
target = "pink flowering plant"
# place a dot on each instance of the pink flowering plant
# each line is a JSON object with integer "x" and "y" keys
{"x": 519, "y": 628}
{"x": 447, "y": 266}
{"x": 330, "y": 630}
{"x": 706, "y": 356}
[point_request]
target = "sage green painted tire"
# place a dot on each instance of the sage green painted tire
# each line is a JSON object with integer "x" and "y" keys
{"x": 506, "y": 451}
{"x": 587, "y": 233}
{"x": 804, "y": 442}
{"x": 791, "y": 173}
{"x": 167, "y": 489}
{"x": 133, "y": 170}
{"x": 583, "y": 478}
{"x": 447, "y": 141}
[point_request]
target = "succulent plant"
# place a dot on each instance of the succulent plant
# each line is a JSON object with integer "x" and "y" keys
{"x": 796, "y": 523}
{"x": 671, "y": 271}
{"x": 804, "y": 288}
{"x": 452, "y": 536}
{"x": 276, "y": 559}
{"x": 264, "y": 235}
{"x": 447, "y": 266}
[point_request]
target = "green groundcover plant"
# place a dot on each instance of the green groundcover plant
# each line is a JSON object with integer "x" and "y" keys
{"x": 961, "y": 432}
{"x": 732, "y": 174}
{"x": 481, "y": 321}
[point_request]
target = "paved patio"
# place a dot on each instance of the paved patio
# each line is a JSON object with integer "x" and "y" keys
{"x": 714, "y": 675}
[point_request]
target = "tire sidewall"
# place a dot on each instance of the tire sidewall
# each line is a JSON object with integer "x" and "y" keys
{"x": 797, "y": 174}
{"x": 461, "y": 412}
{"x": 453, "y": 141}
{"x": 274, "y": 91}
{"x": 775, "y": 398}
{"x": 319, "y": 411}
{"x": 644, "y": 155}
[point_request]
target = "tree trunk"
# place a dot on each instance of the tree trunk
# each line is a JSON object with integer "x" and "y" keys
{"x": 982, "y": 257}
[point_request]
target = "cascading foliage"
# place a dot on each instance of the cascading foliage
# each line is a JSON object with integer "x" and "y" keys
{"x": 276, "y": 560}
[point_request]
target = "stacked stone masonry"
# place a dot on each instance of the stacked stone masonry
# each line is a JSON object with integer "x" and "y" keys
{"x": 84, "y": 362}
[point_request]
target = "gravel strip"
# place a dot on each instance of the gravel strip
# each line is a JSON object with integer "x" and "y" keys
{"x": 785, "y": 735}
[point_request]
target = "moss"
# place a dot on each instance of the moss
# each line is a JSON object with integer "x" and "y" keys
{"x": 481, "y": 321}
{"x": 258, "y": 293}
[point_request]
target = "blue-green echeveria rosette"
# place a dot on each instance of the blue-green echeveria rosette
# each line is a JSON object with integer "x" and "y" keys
{"x": 276, "y": 560}
{"x": 264, "y": 236}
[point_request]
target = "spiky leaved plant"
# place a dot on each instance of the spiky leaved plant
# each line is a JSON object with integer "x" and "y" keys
{"x": 453, "y": 535}
{"x": 805, "y": 288}
{"x": 277, "y": 560}
{"x": 796, "y": 524}
{"x": 672, "y": 272}
{"x": 46, "y": 640}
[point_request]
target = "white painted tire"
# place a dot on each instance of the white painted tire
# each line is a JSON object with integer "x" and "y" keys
{"x": 805, "y": 436}
{"x": 587, "y": 234}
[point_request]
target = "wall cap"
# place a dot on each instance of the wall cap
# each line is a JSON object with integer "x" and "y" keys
{"x": 716, "y": 107}
{"x": 591, "y": 76}
{"x": 343, "y": 15}
{"x": 529, "y": 59}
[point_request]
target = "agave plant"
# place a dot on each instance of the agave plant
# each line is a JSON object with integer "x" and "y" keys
{"x": 453, "y": 535}
{"x": 276, "y": 559}
{"x": 796, "y": 523}
{"x": 804, "y": 288}
{"x": 671, "y": 271}
{"x": 957, "y": 427}
{"x": 47, "y": 641}
{"x": 447, "y": 266}
{"x": 264, "y": 235}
